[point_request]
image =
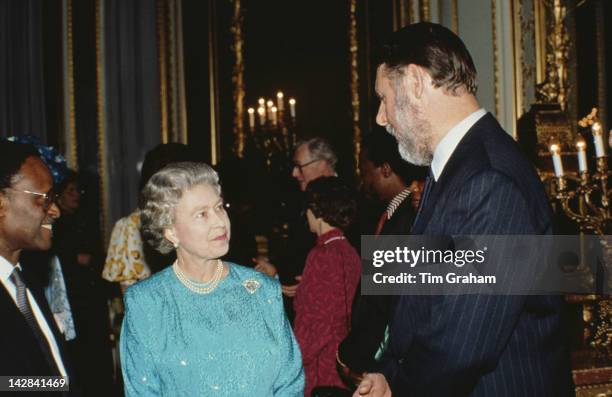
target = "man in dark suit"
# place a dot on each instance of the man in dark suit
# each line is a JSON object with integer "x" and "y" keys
{"x": 386, "y": 177}
{"x": 479, "y": 184}
{"x": 30, "y": 343}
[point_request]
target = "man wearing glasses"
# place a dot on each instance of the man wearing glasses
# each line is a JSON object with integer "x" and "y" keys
{"x": 312, "y": 159}
{"x": 31, "y": 344}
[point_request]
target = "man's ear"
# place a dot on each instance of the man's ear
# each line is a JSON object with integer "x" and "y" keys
{"x": 386, "y": 170}
{"x": 3, "y": 203}
{"x": 415, "y": 78}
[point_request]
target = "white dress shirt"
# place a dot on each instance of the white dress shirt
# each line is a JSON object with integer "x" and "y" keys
{"x": 6, "y": 268}
{"x": 449, "y": 143}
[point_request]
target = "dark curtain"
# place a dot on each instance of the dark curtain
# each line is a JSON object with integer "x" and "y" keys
{"x": 132, "y": 97}
{"x": 22, "y": 94}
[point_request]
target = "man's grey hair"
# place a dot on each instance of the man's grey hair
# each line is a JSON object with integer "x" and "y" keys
{"x": 163, "y": 192}
{"x": 320, "y": 149}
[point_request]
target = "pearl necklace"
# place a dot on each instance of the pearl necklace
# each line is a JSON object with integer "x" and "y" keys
{"x": 199, "y": 288}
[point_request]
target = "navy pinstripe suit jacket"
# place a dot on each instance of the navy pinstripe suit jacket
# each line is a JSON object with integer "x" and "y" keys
{"x": 479, "y": 345}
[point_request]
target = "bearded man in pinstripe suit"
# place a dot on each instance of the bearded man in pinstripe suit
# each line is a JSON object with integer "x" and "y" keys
{"x": 479, "y": 184}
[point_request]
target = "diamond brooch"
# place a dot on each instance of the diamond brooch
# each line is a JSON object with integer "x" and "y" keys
{"x": 251, "y": 285}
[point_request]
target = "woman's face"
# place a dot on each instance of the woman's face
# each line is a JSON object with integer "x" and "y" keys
{"x": 70, "y": 198}
{"x": 201, "y": 225}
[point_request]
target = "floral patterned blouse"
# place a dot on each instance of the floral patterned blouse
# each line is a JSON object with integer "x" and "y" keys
{"x": 125, "y": 262}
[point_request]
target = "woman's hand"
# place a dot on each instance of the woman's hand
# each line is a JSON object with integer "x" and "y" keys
{"x": 263, "y": 265}
{"x": 290, "y": 290}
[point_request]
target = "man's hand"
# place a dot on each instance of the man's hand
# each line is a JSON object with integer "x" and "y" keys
{"x": 291, "y": 290}
{"x": 263, "y": 265}
{"x": 373, "y": 385}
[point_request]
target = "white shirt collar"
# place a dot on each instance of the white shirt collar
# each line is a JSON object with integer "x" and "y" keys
{"x": 447, "y": 145}
{"x": 6, "y": 268}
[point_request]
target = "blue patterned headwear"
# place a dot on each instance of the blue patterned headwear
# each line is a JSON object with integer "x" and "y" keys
{"x": 49, "y": 155}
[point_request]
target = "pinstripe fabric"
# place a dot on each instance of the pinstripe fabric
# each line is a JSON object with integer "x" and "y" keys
{"x": 24, "y": 307}
{"x": 430, "y": 182}
{"x": 481, "y": 345}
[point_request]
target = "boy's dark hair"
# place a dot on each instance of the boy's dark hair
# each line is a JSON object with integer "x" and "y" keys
{"x": 381, "y": 147}
{"x": 332, "y": 200}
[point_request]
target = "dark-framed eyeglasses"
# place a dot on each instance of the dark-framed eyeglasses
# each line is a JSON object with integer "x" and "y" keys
{"x": 50, "y": 197}
{"x": 301, "y": 167}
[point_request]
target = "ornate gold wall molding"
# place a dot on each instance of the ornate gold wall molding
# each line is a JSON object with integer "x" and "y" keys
{"x": 239, "y": 83}
{"x": 181, "y": 112}
{"x": 496, "y": 65}
{"x": 540, "y": 39}
{"x": 600, "y": 43}
{"x": 101, "y": 109}
{"x": 354, "y": 60}
{"x": 454, "y": 16}
{"x": 213, "y": 83}
{"x": 402, "y": 13}
{"x": 526, "y": 45}
{"x": 554, "y": 88}
{"x": 173, "y": 113}
{"x": 517, "y": 52}
{"x": 238, "y": 77}
{"x": 163, "y": 92}
{"x": 70, "y": 138}
{"x": 424, "y": 14}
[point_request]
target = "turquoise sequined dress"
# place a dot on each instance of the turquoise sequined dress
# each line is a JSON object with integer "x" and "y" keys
{"x": 231, "y": 342}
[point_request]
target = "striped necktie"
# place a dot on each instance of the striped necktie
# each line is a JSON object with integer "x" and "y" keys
{"x": 26, "y": 310}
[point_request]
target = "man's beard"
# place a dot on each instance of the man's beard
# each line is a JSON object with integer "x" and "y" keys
{"x": 413, "y": 133}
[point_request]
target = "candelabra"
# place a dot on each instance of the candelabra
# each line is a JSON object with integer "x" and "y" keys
{"x": 274, "y": 134}
{"x": 585, "y": 199}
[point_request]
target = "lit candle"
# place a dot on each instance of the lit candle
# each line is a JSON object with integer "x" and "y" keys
{"x": 280, "y": 103}
{"x": 261, "y": 102}
{"x": 582, "y": 160}
{"x": 262, "y": 115}
{"x": 292, "y": 107}
{"x": 274, "y": 116}
{"x": 598, "y": 140}
{"x": 556, "y": 157}
{"x": 269, "y": 105}
{"x": 251, "y": 112}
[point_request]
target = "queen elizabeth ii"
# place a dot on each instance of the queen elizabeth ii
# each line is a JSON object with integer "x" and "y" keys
{"x": 203, "y": 327}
